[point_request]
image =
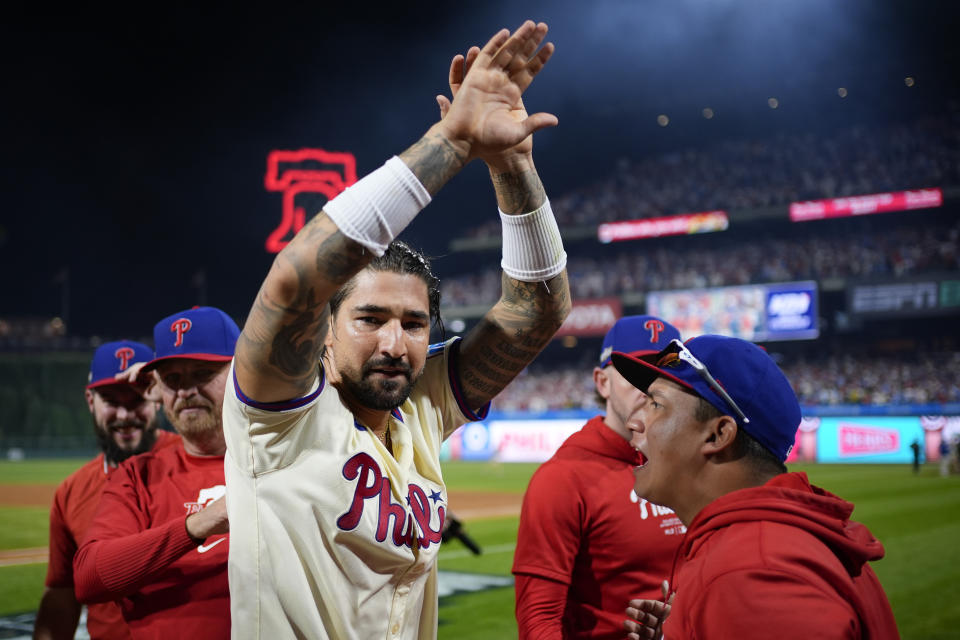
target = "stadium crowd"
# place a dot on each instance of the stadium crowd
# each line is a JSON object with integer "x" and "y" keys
{"x": 751, "y": 174}
{"x": 835, "y": 380}
{"x": 713, "y": 261}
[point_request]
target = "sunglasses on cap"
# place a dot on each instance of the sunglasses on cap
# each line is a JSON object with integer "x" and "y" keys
{"x": 685, "y": 355}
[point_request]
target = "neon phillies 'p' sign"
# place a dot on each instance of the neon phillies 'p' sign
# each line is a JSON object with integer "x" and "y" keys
{"x": 316, "y": 173}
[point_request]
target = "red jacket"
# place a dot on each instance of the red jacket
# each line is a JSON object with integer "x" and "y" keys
{"x": 137, "y": 552}
{"x": 782, "y": 560}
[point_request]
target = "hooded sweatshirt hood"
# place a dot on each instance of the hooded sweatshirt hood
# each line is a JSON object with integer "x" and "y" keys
{"x": 790, "y": 499}
{"x": 597, "y": 438}
{"x": 784, "y": 553}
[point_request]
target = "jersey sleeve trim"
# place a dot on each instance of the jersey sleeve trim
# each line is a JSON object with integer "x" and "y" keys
{"x": 284, "y": 405}
{"x": 452, "y": 358}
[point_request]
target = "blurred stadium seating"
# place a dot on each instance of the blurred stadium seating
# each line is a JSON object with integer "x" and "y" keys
{"x": 906, "y": 357}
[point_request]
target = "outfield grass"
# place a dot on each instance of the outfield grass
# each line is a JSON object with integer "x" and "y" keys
{"x": 24, "y": 527}
{"x": 488, "y": 476}
{"x": 38, "y": 471}
{"x": 914, "y": 516}
{"x": 21, "y": 587}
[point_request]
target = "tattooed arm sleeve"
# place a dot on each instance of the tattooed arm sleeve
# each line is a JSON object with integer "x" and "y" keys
{"x": 527, "y": 315}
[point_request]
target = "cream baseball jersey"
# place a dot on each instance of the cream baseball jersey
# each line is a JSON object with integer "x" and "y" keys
{"x": 330, "y": 535}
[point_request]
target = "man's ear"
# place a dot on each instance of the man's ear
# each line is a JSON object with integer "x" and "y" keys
{"x": 153, "y": 392}
{"x": 328, "y": 338}
{"x": 720, "y": 434}
{"x": 602, "y": 382}
{"x": 88, "y": 394}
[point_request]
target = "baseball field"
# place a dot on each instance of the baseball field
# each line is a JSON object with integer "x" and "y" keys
{"x": 917, "y": 517}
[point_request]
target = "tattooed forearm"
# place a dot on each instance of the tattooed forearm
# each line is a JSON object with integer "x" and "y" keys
{"x": 296, "y": 347}
{"x": 502, "y": 378}
{"x": 513, "y": 351}
{"x": 511, "y": 335}
{"x": 545, "y": 301}
{"x": 497, "y": 358}
{"x": 520, "y": 192}
{"x": 480, "y": 386}
{"x": 434, "y": 160}
{"x": 339, "y": 258}
{"x": 289, "y": 338}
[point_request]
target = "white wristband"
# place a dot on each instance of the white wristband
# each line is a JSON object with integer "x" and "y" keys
{"x": 376, "y": 209}
{"x": 532, "y": 248}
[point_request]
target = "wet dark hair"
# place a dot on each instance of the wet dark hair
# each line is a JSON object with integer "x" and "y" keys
{"x": 399, "y": 258}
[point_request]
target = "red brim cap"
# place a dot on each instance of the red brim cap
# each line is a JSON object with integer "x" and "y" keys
{"x": 108, "y": 382}
{"x": 209, "y": 357}
{"x": 640, "y": 371}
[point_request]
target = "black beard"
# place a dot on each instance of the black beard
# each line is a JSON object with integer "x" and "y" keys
{"x": 385, "y": 396}
{"x": 112, "y": 451}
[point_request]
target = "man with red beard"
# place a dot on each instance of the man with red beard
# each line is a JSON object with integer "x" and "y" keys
{"x": 158, "y": 542}
{"x": 124, "y": 424}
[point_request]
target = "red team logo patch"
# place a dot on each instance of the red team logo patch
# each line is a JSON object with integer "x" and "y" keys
{"x": 205, "y": 497}
{"x": 180, "y": 326}
{"x": 655, "y": 327}
{"x": 123, "y": 354}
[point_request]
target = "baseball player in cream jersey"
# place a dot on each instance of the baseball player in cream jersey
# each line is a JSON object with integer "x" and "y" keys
{"x": 337, "y": 411}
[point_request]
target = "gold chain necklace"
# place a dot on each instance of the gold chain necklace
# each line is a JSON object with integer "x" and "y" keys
{"x": 386, "y": 439}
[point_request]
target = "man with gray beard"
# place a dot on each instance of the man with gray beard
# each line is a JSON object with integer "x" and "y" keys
{"x": 158, "y": 542}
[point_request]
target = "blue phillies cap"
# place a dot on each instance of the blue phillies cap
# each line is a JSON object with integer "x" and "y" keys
{"x": 743, "y": 370}
{"x": 200, "y": 333}
{"x": 638, "y": 336}
{"x": 112, "y": 358}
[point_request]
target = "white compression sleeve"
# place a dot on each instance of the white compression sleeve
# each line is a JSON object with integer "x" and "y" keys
{"x": 532, "y": 247}
{"x": 378, "y": 207}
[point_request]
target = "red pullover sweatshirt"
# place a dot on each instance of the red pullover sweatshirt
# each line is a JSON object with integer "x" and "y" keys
{"x": 783, "y": 561}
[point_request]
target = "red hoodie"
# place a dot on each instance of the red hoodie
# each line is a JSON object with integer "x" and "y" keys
{"x": 586, "y": 544}
{"x": 782, "y": 560}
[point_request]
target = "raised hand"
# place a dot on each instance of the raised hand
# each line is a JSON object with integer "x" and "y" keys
{"x": 486, "y": 116}
{"x": 145, "y": 383}
{"x": 459, "y": 67}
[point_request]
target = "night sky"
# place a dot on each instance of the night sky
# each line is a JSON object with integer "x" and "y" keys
{"x": 134, "y": 156}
